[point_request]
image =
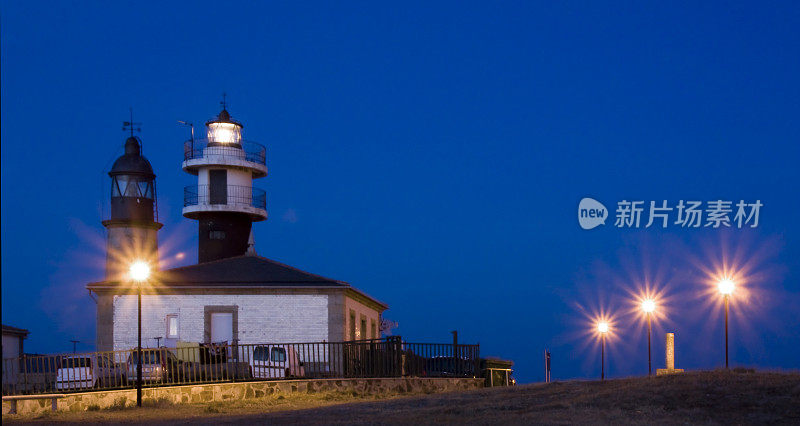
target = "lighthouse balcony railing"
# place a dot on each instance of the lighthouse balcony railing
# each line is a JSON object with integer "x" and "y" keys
{"x": 244, "y": 150}
{"x": 231, "y": 195}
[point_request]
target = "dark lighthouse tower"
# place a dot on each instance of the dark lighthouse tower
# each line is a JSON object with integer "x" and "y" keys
{"x": 132, "y": 227}
{"x": 224, "y": 202}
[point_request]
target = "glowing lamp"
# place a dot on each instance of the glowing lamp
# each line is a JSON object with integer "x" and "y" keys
{"x": 223, "y": 130}
{"x": 726, "y": 287}
{"x": 227, "y": 133}
{"x": 139, "y": 271}
{"x": 648, "y": 305}
{"x": 602, "y": 327}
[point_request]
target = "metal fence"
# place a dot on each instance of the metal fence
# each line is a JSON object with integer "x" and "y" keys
{"x": 244, "y": 150}
{"x": 213, "y": 363}
{"x": 232, "y": 195}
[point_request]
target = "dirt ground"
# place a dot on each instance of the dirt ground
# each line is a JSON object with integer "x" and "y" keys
{"x": 718, "y": 397}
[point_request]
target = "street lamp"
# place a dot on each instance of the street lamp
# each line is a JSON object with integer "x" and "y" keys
{"x": 602, "y": 328}
{"x": 139, "y": 272}
{"x": 648, "y": 306}
{"x": 726, "y": 287}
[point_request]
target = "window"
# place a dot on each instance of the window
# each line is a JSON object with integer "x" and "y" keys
{"x": 260, "y": 354}
{"x": 172, "y": 326}
{"x": 264, "y": 353}
{"x": 278, "y": 355}
{"x": 352, "y": 325}
{"x": 372, "y": 329}
{"x": 148, "y": 357}
{"x": 131, "y": 186}
{"x": 146, "y": 189}
{"x": 363, "y": 327}
{"x": 216, "y": 235}
{"x": 76, "y": 362}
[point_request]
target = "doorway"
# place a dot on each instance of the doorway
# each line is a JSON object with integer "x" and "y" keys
{"x": 221, "y": 324}
{"x": 221, "y": 327}
{"x": 218, "y": 186}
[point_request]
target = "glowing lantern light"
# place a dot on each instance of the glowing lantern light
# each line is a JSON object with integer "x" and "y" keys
{"x": 227, "y": 133}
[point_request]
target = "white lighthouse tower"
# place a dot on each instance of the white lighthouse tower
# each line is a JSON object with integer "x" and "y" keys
{"x": 224, "y": 201}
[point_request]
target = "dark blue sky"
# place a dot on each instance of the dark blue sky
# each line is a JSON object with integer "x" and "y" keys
{"x": 432, "y": 155}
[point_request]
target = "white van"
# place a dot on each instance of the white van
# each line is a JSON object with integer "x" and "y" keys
{"x": 276, "y": 361}
{"x": 87, "y": 371}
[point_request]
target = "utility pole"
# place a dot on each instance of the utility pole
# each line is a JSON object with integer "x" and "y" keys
{"x": 74, "y": 345}
{"x": 546, "y": 366}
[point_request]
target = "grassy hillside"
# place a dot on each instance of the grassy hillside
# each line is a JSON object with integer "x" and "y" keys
{"x": 717, "y": 397}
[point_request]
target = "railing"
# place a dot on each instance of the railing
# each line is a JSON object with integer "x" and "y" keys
{"x": 246, "y": 150}
{"x": 232, "y": 195}
{"x": 214, "y": 363}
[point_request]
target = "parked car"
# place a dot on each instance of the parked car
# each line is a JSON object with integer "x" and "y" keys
{"x": 448, "y": 366}
{"x": 276, "y": 361}
{"x": 158, "y": 365}
{"x": 87, "y": 371}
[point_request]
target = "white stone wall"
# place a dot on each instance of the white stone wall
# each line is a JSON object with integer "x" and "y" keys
{"x": 283, "y": 318}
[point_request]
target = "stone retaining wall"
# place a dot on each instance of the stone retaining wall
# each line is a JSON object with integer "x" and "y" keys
{"x": 243, "y": 390}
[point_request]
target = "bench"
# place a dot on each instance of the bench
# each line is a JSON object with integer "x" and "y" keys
{"x": 54, "y": 397}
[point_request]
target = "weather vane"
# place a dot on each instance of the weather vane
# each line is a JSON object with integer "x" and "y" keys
{"x": 224, "y": 102}
{"x": 131, "y": 125}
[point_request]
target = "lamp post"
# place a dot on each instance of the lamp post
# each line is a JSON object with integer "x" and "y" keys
{"x": 139, "y": 272}
{"x": 726, "y": 287}
{"x": 648, "y": 306}
{"x": 602, "y": 328}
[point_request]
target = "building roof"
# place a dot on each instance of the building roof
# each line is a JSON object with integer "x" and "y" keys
{"x": 7, "y": 329}
{"x": 237, "y": 272}
{"x": 245, "y": 270}
{"x": 132, "y": 162}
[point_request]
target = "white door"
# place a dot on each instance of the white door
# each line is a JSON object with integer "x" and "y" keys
{"x": 221, "y": 327}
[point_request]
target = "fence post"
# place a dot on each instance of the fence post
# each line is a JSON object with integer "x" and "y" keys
{"x": 477, "y": 359}
{"x": 235, "y": 356}
{"x": 398, "y": 349}
{"x": 24, "y": 367}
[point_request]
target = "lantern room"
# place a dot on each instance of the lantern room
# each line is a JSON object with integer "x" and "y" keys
{"x": 224, "y": 131}
{"x": 133, "y": 191}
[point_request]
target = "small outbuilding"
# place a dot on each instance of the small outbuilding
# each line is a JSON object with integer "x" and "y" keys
{"x": 13, "y": 338}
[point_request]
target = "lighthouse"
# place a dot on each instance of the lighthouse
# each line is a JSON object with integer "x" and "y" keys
{"x": 224, "y": 201}
{"x": 133, "y": 225}
{"x": 232, "y": 294}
